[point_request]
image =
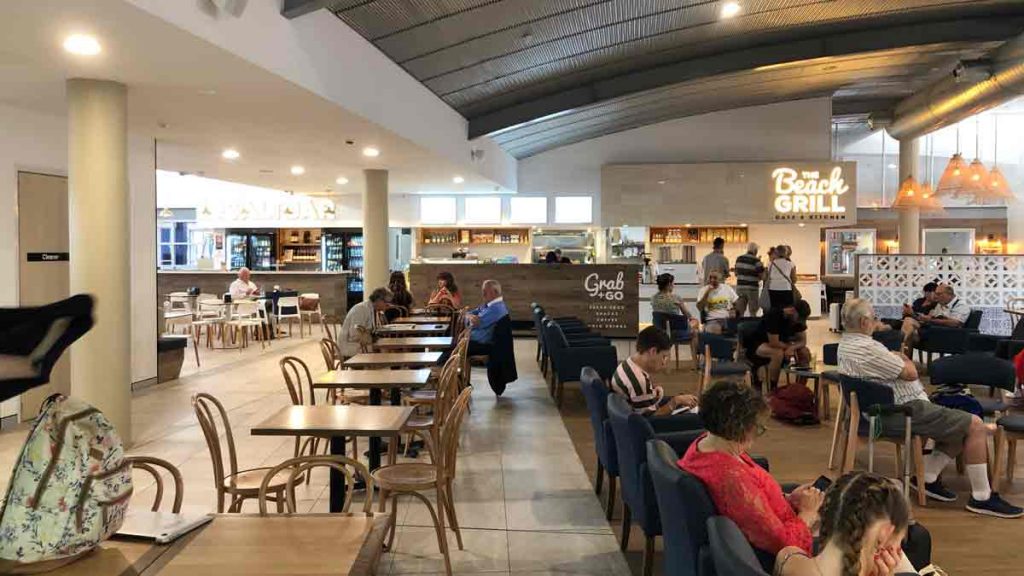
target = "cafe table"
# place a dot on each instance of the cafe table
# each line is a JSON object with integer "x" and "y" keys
{"x": 393, "y": 360}
{"x": 390, "y": 330}
{"x": 428, "y": 343}
{"x": 336, "y": 423}
{"x": 421, "y": 320}
{"x": 247, "y": 544}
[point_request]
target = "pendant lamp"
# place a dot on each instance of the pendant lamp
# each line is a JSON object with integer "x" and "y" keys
{"x": 998, "y": 186}
{"x": 978, "y": 183}
{"x": 909, "y": 194}
{"x": 953, "y": 179}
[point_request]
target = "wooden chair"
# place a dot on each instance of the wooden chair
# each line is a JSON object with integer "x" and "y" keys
{"x": 299, "y": 382}
{"x": 332, "y": 358}
{"x": 151, "y": 465}
{"x": 240, "y": 485}
{"x": 1009, "y": 429}
{"x": 414, "y": 478}
{"x": 427, "y": 426}
{"x": 295, "y": 468}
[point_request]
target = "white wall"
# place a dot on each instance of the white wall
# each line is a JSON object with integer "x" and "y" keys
{"x": 787, "y": 131}
{"x": 322, "y": 54}
{"x": 35, "y": 142}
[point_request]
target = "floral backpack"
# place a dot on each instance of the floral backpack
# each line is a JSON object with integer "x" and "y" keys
{"x": 69, "y": 491}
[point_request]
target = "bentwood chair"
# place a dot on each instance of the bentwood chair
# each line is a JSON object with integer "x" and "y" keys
{"x": 152, "y": 466}
{"x": 428, "y": 426}
{"x": 294, "y": 469}
{"x": 299, "y": 382}
{"x": 332, "y": 358}
{"x": 239, "y": 485}
{"x": 414, "y": 478}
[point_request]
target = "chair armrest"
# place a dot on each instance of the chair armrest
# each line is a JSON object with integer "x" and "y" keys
{"x": 592, "y": 341}
{"x": 570, "y": 361}
{"x": 977, "y": 342}
{"x": 946, "y": 339}
{"x": 762, "y": 462}
{"x": 679, "y": 439}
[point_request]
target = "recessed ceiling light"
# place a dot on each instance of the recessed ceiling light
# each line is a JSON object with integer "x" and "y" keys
{"x": 298, "y": 170}
{"x": 458, "y": 179}
{"x": 371, "y": 152}
{"x": 82, "y": 45}
{"x": 208, "y": 92}
{"x": 730, "y": 9}
{"x": 341, "y": 180}
{"x": 744, "y": 224}
{"x": 801, "y": 224}
{"x": 661, "y": 181}
{"x": 230, "y": 154}
{"x": 266, "y": 171}
{"x": 688, "y": 225}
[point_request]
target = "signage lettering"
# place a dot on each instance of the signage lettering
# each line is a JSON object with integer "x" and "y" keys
{"x": 48, "y": 256}
{"x": 297, "y": 208}
{"x": 806, "y": 192}
{"x": 604, "y": 289}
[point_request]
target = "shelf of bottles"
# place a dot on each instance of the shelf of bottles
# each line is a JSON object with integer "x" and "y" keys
{"x": 263, "y": 250}
{"x": 698, "y": 235}
{"x": 354, "y": 259}
{"x": 475, "y": 236}
{"x": 300, "y": 247}
{"x": 237, "y": 249}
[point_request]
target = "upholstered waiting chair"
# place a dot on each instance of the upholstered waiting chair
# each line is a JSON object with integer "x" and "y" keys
{"x": 239, "y": 485}
{"x": 632, "y": 431}
{"x": 677, "y": 327}
{"x": 862, "y": 396}
{"x": 730, "y": 550}
{"x": 151, "y": 465}
{"x": 567, "y": 361}
{"x": 720, "y": 359}
{"x": 595, "y": 392}
{"x": 414, "y": 478}
{"x": 683, "y": 498}
{"x": 977, "y": 369}
{"x": 944, "y": 340}
{"x": 294, "y": 469}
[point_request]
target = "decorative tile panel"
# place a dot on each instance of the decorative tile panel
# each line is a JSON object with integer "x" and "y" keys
{"x": 984, "y": 282}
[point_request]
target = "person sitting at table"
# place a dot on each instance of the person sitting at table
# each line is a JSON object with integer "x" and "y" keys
{"x": 357, "y": 329}
{"x": 949, "y": 311}
{"x": 400, "y": 296}
{"x": 482, "y": 319}
{"x": 632, "y": 380}
{"x": 243, "y": 288}
{"x": 717, "y": 300}
{"x": 734, "y": 415}
{"x": 781, "y": 333}
{"x": 447, "y": 293}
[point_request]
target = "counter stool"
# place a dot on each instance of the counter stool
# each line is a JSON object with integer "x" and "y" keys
{"x": 1009, "y": 429}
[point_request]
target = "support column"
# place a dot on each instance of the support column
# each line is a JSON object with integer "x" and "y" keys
{"x": 909, "y": 218}
{"x": 99, "y": 236}
{"x": 375, "y": 230}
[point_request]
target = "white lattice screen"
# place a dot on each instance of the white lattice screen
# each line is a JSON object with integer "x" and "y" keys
{"x": 984, "y": 282}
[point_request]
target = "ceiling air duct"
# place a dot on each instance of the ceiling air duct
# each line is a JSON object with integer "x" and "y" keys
{"x": 970, "y": 89}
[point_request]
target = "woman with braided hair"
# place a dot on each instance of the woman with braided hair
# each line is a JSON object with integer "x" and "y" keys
{"x": 863, "y": 521}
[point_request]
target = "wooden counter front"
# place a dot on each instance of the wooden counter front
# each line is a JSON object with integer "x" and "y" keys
{"x": 331, "y": 286}
{"x": 605, "y": 296}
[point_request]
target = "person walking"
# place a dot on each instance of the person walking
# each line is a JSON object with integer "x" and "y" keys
{"x": 715, "y": 261}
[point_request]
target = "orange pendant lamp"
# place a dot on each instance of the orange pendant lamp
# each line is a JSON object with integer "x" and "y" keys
{"x": 909, "y": 194}
{"x": 953, "y": 181}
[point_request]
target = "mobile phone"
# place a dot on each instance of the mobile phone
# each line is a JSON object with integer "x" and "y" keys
{"x": 822, "y": 483}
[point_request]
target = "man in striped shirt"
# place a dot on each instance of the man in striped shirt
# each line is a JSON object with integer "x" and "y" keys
{"x": 954, "y": 431}
{"x": 749, "y": 270}
{"x": 632, "y": 379}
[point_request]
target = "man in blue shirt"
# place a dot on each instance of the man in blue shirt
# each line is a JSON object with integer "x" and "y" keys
{"x": 483, "y": 318}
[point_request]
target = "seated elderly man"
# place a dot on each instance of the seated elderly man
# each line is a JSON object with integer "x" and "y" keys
{"x": 357, "y": 329}
{"x": 243, "y": 287}
{"x": 954, "y": 431}
{"x": 948, "y": 311}
{"x": 483, "y": 318}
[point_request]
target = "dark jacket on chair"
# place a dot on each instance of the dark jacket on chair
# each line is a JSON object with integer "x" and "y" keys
{"x": 501, "y": 362}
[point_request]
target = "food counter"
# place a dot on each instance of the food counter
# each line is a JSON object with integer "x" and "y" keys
{"x": 331, "y": 286}
{"x": 605, "y": 296}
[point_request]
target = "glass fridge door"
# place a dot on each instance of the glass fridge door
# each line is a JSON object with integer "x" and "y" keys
{"x": 238, "y": 248}
{"x": 354, "y": 262}
{"x": 333, "y": 251}
{"x": 262, "y": 254}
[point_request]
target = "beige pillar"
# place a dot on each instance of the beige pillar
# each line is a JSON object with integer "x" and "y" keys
{"x": 99, "y": 238}
{"x": 375, "y": 230}
{"x": 910, "y": 218}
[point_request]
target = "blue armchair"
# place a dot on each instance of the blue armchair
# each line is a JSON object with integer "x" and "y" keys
{"x": 677, "y": 327}
{"x": 720, "y": 359}
{"x": 567, "y": 361}
{"x": 682, "y": 498}
{"x": 631, "y": 432}
{"x": 595, "y": 392}
{"x": 946, "y": 340}
{"x": 977, "y": 369}
{"x": 730, "y": 549}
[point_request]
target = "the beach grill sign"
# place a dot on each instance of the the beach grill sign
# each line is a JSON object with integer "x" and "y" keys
{"x": 802, "y": 193}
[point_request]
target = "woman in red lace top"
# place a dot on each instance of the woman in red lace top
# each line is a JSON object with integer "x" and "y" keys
{"x": 733, "y": 414}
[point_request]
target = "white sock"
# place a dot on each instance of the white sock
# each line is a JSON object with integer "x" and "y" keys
{"x": 929, "y": 444}
{"x": 980, "y": 489}
{"x": 934, "y": 464}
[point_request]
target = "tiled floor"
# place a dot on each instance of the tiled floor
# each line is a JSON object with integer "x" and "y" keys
{"x": 523, "y": 498}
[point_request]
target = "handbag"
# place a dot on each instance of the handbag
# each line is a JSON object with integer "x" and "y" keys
{"x": 796, "y": 291}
